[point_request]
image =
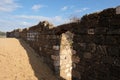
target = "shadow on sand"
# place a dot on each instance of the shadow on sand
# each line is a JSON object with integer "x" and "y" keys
{"x": 41, "y": 70}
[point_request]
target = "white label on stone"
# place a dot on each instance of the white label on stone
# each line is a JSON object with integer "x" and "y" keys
{"x": 118, "y": 10}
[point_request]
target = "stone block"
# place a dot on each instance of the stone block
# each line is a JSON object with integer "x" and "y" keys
{"x": 40, "y": 49}
{"x": 112, "y": 40}
{"x": 113, "y": 51}
{"x": 69, "y": 74}
{"x": 84, "y": 38}
{"x": 57, "y": 69}
{"x": 118, "y": 10}
{"x": 54, "y": 57}
{"x": 91, "y": 47}
{"x": 63, "y": 57}
{"x": 87, "y": 55}
{"x": 99, "y": 39}
{"x": 73, "y": 65}
{"x": 56, "y": 47}
{"x": 56, "y": 63}
{"x": 101, "y": 30}
{"x": 66, "y": 70}
{"x": 68, "y": 65}
{"x": 114, "y": 32}
{"x": 75, "y": 59}
{"x": 76, "y": 74}
{"x": 73, "y": 52}
{"x": 91, "y": 31}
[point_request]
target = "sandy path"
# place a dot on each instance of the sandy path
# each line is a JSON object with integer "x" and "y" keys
{"x": 19, "y": 62}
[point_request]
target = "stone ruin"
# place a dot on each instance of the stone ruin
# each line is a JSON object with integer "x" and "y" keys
{"x": 84, "y": 50}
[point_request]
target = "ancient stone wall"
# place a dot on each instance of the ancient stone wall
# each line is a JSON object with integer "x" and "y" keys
{"x": 84, "y": 50}
{"x": 44, "y": 41}
{"x": 97, "y": 43}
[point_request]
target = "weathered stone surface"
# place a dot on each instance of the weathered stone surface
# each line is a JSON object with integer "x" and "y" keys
{"x": 75, "y": 59}
{"x": 66, "y": 55}
{"x": 85, "y": 50}
{"x": 56, "y": 47}
{"x": 87, "y": 55}
{"x": 56, "y": 63}
{"x": 54, "y": 57}
{"x": 118, "y": 10}
{"x": 91, "y": 31}
{"x": 73, "y": 52}
{"x": 63, "y": 57}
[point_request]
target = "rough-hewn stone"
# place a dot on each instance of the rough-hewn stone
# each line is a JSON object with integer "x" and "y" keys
{"x": 84, "y": 50}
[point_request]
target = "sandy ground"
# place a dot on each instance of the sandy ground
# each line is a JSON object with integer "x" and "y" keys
{"x": 19, "y": 62}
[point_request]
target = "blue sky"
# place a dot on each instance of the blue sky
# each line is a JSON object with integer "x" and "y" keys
{"x": 25, "y": 13}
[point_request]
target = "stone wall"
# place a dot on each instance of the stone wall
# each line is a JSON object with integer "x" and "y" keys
{"x": 84, "y": 50}
{"x": 97, "y": 43}
{"x": 14, "y": 33}
{"x": 66, "y": 55}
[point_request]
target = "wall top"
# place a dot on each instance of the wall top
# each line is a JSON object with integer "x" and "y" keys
{"x": 118, "y": 10}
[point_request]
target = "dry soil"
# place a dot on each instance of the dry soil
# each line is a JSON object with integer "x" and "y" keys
{"x": 18, "y": 61}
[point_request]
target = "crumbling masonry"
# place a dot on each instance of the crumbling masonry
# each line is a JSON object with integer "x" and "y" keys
{"x": 84, "y": 50}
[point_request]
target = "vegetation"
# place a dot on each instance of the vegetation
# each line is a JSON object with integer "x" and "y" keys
{"x": 74, "y": 19}
{"x": 2, "y": 34}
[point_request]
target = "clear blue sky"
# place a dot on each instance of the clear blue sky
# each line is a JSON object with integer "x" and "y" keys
{"x": 25, "y": 13}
